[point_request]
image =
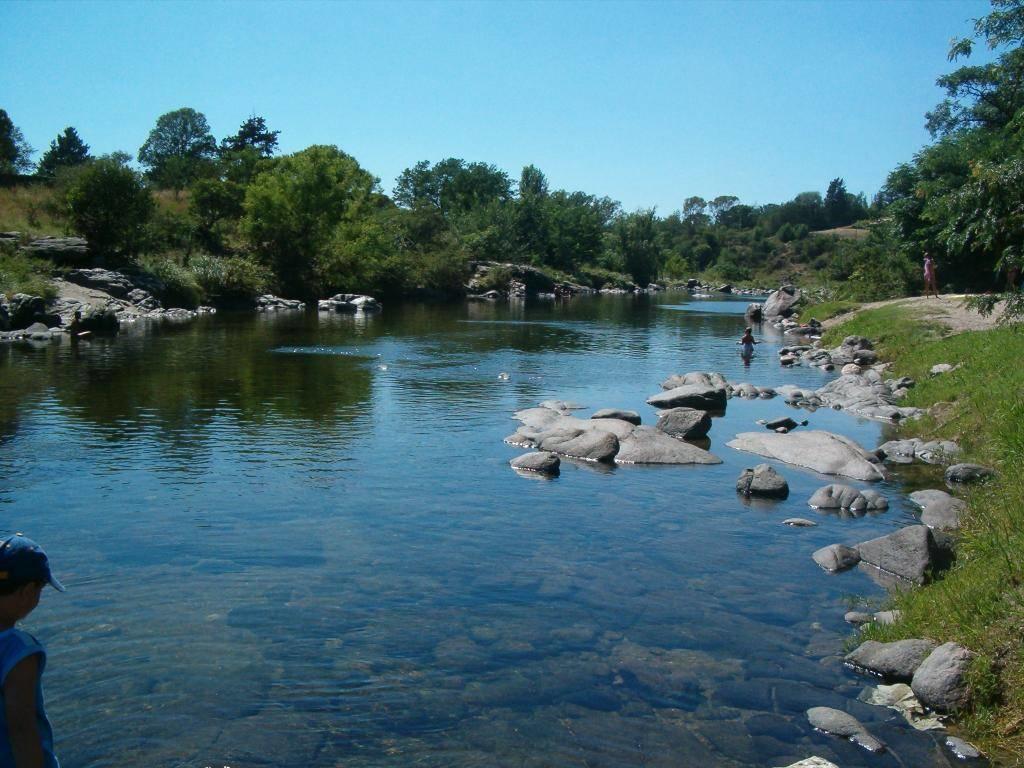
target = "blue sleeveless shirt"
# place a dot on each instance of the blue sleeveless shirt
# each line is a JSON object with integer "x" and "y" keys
{"x": 16, "y": 645}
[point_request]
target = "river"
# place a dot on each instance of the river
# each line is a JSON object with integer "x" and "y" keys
{"x": 293, "y": 540}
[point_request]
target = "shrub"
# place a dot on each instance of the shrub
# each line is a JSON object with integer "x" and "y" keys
{"x": 179, "y": 286}
{"x": 230, "y": 280}
{"x": 109, "y": 207}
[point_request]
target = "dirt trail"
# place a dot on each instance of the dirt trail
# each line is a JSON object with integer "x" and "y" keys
{"x": 947, "y": 310}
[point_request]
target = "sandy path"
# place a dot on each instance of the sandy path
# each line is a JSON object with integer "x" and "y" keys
{"x": 948, "y": 310}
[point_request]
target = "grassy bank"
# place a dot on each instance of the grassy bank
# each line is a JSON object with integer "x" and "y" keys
{"x": 980, "y": 601}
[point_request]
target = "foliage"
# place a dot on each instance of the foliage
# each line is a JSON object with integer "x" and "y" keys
{"x": 293, "y": 211}
{"x": 179, "y": 150}
{"x": 180, "y": 288}
{"x": 66, "y": 151}
{"x": 229, "y": 280}
{"x": 252, "y": 135}
{"x": 15, "y": 153}
{"x": 109, "y": 206}
{"x": 23, "y": 274}
{"x": 213, "y": 203}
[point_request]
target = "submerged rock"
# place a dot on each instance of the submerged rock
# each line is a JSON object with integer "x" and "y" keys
{"x": 544, "y": 462}
{"x": 762, "y": 481}
{"x": 821, "y": 451}
{"x": 893, "y": 661}
{"x": 838, "y": 723}
{"x": 647, "y": 445}
{"x": 799, "y": 522}
{"x": 838, "y": 496}
{"x": 836, "y": 557}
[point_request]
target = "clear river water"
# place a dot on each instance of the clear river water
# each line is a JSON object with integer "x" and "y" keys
{"x": 295, "y": 540}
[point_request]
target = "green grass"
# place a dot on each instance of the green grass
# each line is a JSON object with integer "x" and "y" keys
{"x": 980, "y": 601}
{"x": 827, "y": 310}
{"x": 23, "y": 274}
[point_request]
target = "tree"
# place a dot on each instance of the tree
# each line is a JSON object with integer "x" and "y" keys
{"x": 837, "y": 204}
{"x": 721, "y": 205}
{"x": 109, "y": 206}
{"x": 252, "y": 134}
{"x": 179, "y": 149}
{"x": 293, "y": 210}
{"x": 15, "y": 153}
{"x": 66, "y": 151}
{"x": 634, "y": 240}
{"x": 451, "y": 186}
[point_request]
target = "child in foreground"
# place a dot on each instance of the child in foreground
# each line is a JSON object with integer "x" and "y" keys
{"x": 26, "y": 739}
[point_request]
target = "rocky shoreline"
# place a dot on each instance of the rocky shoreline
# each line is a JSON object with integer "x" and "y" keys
{"x": 922, "y": 680}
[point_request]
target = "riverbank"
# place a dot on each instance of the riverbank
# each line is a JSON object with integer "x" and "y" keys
{"x": 979, "y": 603}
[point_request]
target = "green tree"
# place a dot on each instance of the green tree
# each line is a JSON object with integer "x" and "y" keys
{"x": 634, "y": 241}
{"x": 452, "y": 186}
{"x": 15, "y": 153}
{"x": 179, "y": 149}
{"x": 211, "y": 202}
{"x": 252, "y": 134}
{"x": 109, "y": 206}
{"x": 293, "y": 210}
{"x": 66, "y": 151}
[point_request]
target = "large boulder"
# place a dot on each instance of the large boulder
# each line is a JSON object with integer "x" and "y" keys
{"x": 846, "y": 726}
{"x": 896, "y": 661}
{"x": 116, "y": 284}
{"x": 706, "y": 398}
{"x": 908, "y": 553}
{"x": 616, "y": 413}
{"x": 940, "y": 682}
{"x": 63, "y": 250}
{"x": 586, "y": 444}
{"x": 781, "y": 302}
{"x": 836, "y": 557}
{"x": 754, "y": 312}
{"x": 27, "y": 310}
{"x": 542, "y": 462}
{"x": 763, "y": 482}
{"x": 821, "y": 451}
{"x": 647, "y": 445}
{"x": 838, "y": 496}
{"x": 939, "y": 510}
{"x": 684, "y": 423}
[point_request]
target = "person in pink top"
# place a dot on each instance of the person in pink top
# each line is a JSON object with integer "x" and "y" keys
{"x": 930, "y": 284}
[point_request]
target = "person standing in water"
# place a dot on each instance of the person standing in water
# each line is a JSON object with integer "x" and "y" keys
{"x": 747, "y": 344}
{"x": 930, "y": 284}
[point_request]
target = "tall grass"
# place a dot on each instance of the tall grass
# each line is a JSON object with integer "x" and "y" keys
{"x": 33, "y": 210}
{"x": 980, "y": 601}
{"x": 22, "y": 274}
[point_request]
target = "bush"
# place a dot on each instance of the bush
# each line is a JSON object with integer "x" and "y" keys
{"x": 598, "y": 277}
{"x": 229, "y": 281}
{"x": 109, "y": 207}
{"x": 179, "y": 286}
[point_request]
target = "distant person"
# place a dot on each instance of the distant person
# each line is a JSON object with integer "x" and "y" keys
{"x": 747, "y": 344}
{"x": 1012, "y": 278}
{"x": 929, "y": 276}
{"x": 26, "y": 739}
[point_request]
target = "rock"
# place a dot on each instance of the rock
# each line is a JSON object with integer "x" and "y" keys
{"x": 962, "y": 749}
{"x": 906, "y": 451}
{"x": 613, "y": 413}
{"x": 851, "y": 368}
{"x": 568, "y": 405}
{"x": 821, "y": 451}
{"x": 25, "y": 310}
{"x": 544, "y": 462}
{"x": 684, "y": 423}
{"x": 703, "y": 378}
{"x": 349, "y": 302}
{"x": 865, "y": 357}
{"x": 837, "y": 496}
{"x": 785, "y": 421}
{"x": 838, "y": 723}
{"x": 647, "y": 445}
{"x": 799, "y": 522}
{"x": 764, "y": 482}
{"x": 5, "y": 313}
{"x": 726, "y": 288}
{"x": 101, "y": 321}
{"x": 907, "y": 553}
{"x": 270, "y": 303}
{"x": 968, "y": 473}
{"x": 812, "y": 762}
{"x": 939, "y": 510}
{"x": 857, "y": 618}
{"x": 114, "y": 283}
{"x": 690, "y": 396}
{"x": 62, "y": 250}
{"x": 586, "y": 444}
{"x": 836, "y": 557}
{"x": 886, "y": 618}
{"x": 754, "y": 312}
{"x": 941, "y": 368}
{"x": 939, "y": 681}
{"x": 901, "y": 698}
{"x": 893, "y": 661}
{"x": 781, "y": 302}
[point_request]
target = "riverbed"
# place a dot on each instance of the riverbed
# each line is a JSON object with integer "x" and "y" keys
{"x": 294, "y": 539}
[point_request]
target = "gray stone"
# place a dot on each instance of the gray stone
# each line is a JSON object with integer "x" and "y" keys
{"x": 270, "y": 303}
{"x": 907, "y": 553}
{"x": 102, "y": 321}
{"x": 568, "y": 405}
{"x": 821, "y": 451}
{"x": 754, "y": 312}
{"x": 614, "y": 413}
{"x": 886, "y": 618}
{"x": 857, "y": 617}
{"x": 586, "y": 444}
{"x": 28, "y": 310}
{"x": 838, "y": 496}
{"x": 781, "y": 303}
{"x": 59, "y": 249}
{"x": 647, "y": 445}
{"x": 349, "y": 302}
{"x": 812, "y": 762}
{"x": 799, "y": 522}
{"x": 108, "y": 281}
{"x": 962, "y": 749}
{"x": 941, "y": 368}
{"x": 968, "y": 473}
{"x": 893, "y": 661}
{"x": 839, "y": 723}
{"x": 691, "y": 396}
{"x": 939, "y": 510}
{"x": 544, "y": 462}
{"x": 684, "y": 423}
{"x": 785, "y": 421}
{"x": 764, "y": 482}
{"x": 836, "y": 557}
{"x": 940, "y": 682}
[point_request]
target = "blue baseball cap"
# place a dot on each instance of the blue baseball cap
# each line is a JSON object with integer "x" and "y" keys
{"x": 22, "y": 561}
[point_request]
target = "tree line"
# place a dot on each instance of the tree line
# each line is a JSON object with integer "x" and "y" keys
{"x": 233, "y": 217}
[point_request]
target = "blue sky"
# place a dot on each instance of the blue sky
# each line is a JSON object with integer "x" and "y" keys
{"x": 645, "y": 102}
